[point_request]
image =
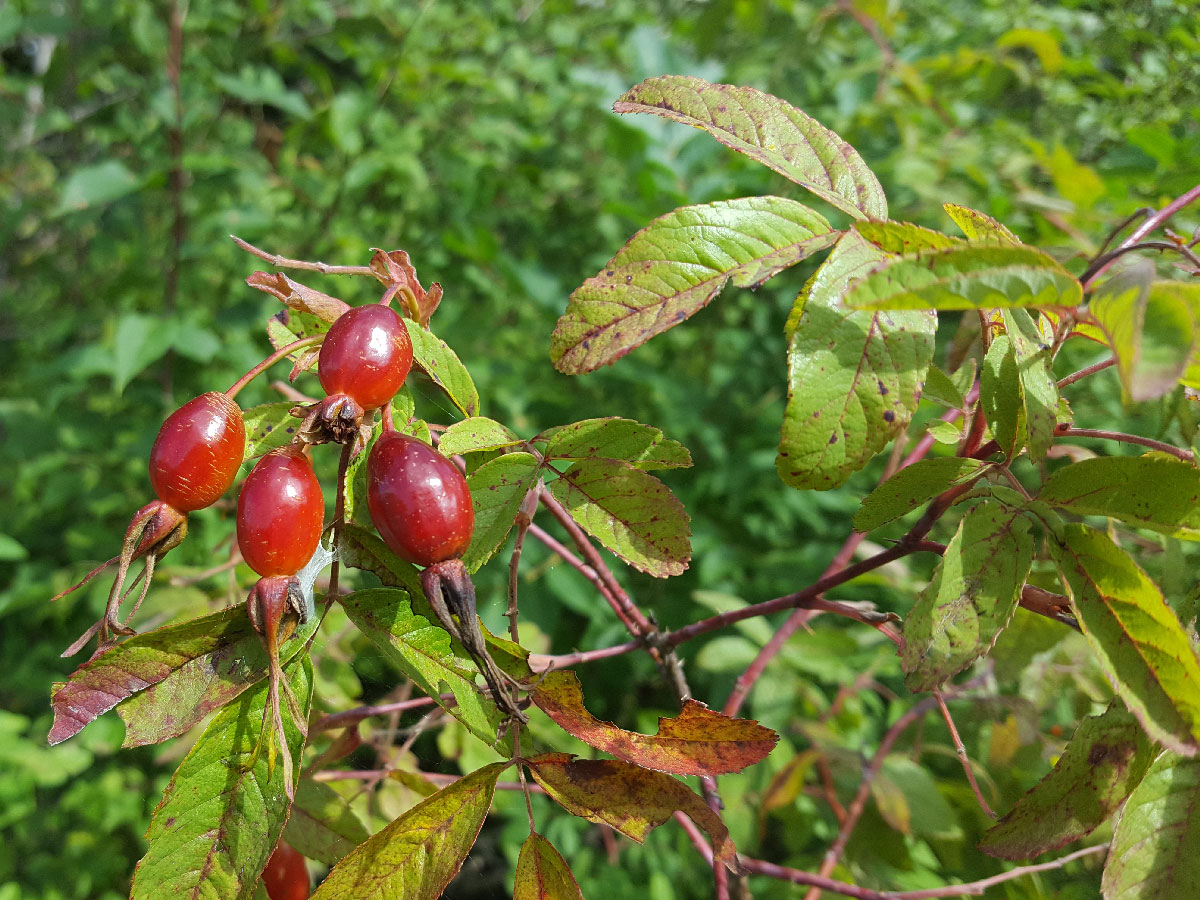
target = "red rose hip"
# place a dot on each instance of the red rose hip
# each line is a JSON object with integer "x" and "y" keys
{"x": 280, "y": 510}
{"x": 286, "y": 876}
{"x": 197, "y": 453}
{"x": 366, "y": 355}
{"x": 418, "y": 499}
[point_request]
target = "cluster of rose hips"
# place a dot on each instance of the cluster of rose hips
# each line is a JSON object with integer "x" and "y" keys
{"x": 418, "y": 499}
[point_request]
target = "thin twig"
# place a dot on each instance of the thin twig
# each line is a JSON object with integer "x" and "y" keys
{"x": 541, "y": 662}
{"x": 1185, "y": 455}
{"x": 962, "y": 754}
{"x": 1086, "y": 371}
{"x": 1152, "y": 222}
{"x": 555, "y": 546}
{"x": 356, "y": 715}
{"x": 284, "y": 262}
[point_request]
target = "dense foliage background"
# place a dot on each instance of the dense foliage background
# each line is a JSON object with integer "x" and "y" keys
{"x": 478, "y": 137}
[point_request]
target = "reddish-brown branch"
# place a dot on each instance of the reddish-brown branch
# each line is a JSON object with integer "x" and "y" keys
{"x": 1154, "y": 221}
{"x": 284, "y": 262}
{"x": 962, "y": 754}
{"x": 1121, "y": 437}
{"x": 356, "y": 715}
{"x": 541, "y": 662}
{"x": 1086, "y": 371}
{"x": 556, "y": 546}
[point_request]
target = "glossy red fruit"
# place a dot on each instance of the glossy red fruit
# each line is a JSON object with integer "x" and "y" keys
{"x": 286, "y": 876}
{"x": 418, "y": 500}
{"x": 279, "y": 515}
{"x": 366, "y": 355}
{"x": 197, "y": 452}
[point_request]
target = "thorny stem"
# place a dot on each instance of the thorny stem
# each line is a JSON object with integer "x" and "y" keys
{"x": 971, "y": 888}
{"x": 555, "y": 546}
{"x": 284, "y": 262}
{"x": 271, "y": 360}
{"x": 962, "y": 754}
{"x": 1185, "y": 455}
{"x": 542, "y": 663}
{"x": 359, "y": 713}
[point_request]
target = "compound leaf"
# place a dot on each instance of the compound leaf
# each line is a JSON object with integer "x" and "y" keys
{"x": 497, "y": 489}
{"x": 476, "y": 433}
{"x": 613, "y": 438}
{"x": 913, "y": 487}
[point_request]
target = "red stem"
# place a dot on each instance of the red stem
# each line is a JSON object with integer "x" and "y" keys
{"x": 271, "y": 360}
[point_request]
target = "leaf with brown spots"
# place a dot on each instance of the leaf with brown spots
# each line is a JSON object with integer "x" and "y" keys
{"x": 768, "y": 130}
{"x": 674, "y": 267}
{"x": 417, "y": 855}
{"x": 220, "y": 818}
{"x": 542, "y": 873}
{"x": 1104, "y": 761}
{"x": 169, "y": 679}
{"x": 497, "y": 489}
{"x": 698, "y": 741}
{"x": 628, "y": 798}
{"x": 268, "y": 426}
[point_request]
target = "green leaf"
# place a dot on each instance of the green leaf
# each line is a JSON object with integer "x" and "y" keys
{"x": 909, "y": 790}
{"x": 1155, "y": 852}
{"x": 268, "y": 426}
{"x": 913, "y": 487}
{"x": 631, "y": 513}
{"x": 854, "y": 377}
{"x": 417, "y": 855}
{"x": 940, "y": 389}
{"x": 263, "y": 85}
{"x": 476, "y": 433}
{"x": 1105, "y": 760}
{"x": 1039, "y": 390}
{"x": 11, "y": 550}
{"x": 643, "y": 446}
{"x": 422, "y": 651}
{"x": 1150, "y": 326}
{"x": 1141, "y": 647}
{"x": 363, "y": 549}
{"x": 96, "y": 185}
{"x": 497, "y": 489}
{"x": 322, "y": 825}
{"x": 542, "y": 874}
{"x": 944, "y": 432}
{"x": 217, "y": 823}
{"x": 137, "y": 342}
{"x": 1000, "y": 395}
{"x": 434, "y": 357}
{"x": 979, "y": 226}
{"x": 903, "y": 237}
{"x": 971, "y": 276}
{"x": 1152, "y": 491}
{"x": 288, "y": 326}
{"x": 674, "y": 266}
{"x": 770, "y": 131}
{"x": 973, "y": 594}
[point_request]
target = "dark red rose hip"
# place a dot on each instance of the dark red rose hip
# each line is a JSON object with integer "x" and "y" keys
{"x": 280, "y": 510}
{"x": 418, "y": 499}
{"x": 197, "y": 453}
{"x": 366, "y": 355}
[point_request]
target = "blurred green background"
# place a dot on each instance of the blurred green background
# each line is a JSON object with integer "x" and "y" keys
{"x": 478, "y": 137}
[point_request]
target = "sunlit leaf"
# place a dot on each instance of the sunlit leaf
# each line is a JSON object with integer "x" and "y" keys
{"x": 434, "y": 357}
{"x": 268, "y": 426}
{"x": 979, "y": 226}
{"x": 322, "y": 825}
{"x": 674, "y": 266}
{"x": 1106, "y": 758}
{"x": 1152, "y": 491}
{"x": 854, "y": 376}
{"x": 168, "y": 679}
{"x": 1155, "y": 852}
{"x": 476, "y": 433}
{"x": 300, "y": 298}
{"x": 768, "y": 130}
{"x": 364, "y": 549}
{"x": 613, "y": 438}
{"x": 1134, "y": 634}
{"x": 698, "y": 741}
{"x": 903, "y": 237}
{"x": 970, "y": 276}
{"x": 1035, "y": 373}
{"x": 627, "y": 797}
{"x": 911, "y": 488}
{"x": 417, "y": 855}
{"x": 422, "y": 651}
{"x": 973, "y": 594}
{"x": 542, "y": 873}
{"x": 1000, "y": 395}
{"x": 218, "y": 822}
{"x": 631, "y": 513}
{"x": 939, "y": 388}
{"x": 497, "y": 489}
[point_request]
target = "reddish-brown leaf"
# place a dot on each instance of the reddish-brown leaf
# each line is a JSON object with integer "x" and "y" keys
{"x": 298, "y": 296}
{"x": 698, "y": 741}
{"x": 395, "y": 269}
{"x": 628, "y": 798}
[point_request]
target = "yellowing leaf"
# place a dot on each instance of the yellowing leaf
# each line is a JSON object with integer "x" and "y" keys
{"x": 417, "y": 855}
{"x": 770, "y": 131}
{"x": 697, "y": 742}
{"x": 627, "y": 797}
{"x": 542, "y": 873}
{"x": 979, "y": 226}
